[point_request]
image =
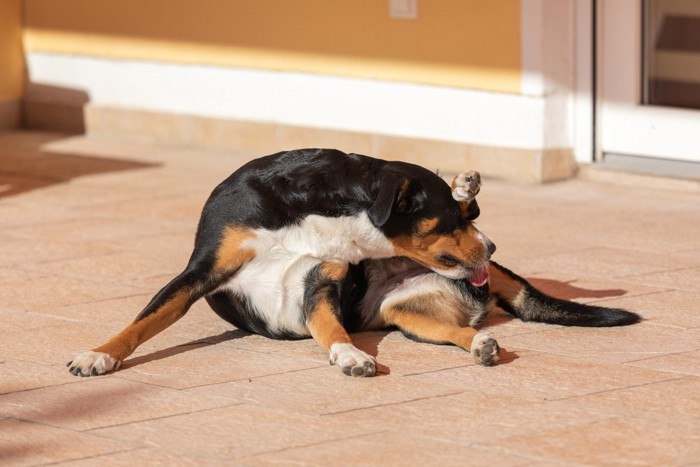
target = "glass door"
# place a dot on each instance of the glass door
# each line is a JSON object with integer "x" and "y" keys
{"x": 649, "y": 79}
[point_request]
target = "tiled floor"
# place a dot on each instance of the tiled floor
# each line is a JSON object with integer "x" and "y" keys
{"x": 89, "y": 230}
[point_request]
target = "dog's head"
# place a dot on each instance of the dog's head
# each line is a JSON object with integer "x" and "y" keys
{"x": 431, "y": 223}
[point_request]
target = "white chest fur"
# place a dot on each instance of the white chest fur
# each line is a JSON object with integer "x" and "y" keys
{"x": 274, "y": 281}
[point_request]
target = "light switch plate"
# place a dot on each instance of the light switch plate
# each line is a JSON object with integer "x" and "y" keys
{"x": 403, "y": 9}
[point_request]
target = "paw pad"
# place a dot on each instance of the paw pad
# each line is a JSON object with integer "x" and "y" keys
{"x": 485, "y": 349}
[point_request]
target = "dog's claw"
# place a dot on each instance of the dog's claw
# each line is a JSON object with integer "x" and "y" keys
{"x": 92, "y": 364}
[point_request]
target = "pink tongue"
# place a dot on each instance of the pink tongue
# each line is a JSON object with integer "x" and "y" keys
{"x": 480, "y": 276}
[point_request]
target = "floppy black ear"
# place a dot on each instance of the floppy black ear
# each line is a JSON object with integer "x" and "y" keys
{"x": 472, "y": 211}
{"x": 395, "y": 195}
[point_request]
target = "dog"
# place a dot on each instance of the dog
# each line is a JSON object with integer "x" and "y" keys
{"x": 275, "y": 241}
{"x": 318, "y": 243}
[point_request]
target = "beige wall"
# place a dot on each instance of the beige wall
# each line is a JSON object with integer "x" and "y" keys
{"x": 462, "y": 43}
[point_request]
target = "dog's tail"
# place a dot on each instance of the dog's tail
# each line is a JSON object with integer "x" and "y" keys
{"x": 519, "y": 298}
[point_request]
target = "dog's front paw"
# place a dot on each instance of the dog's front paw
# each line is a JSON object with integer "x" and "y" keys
{"x": 484, "y": 349}
{"x": 466, "y": 186}
{"x": 92, "y": 364}
{"x": 353, "y": 361}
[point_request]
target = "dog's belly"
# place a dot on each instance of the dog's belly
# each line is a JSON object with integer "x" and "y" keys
{"x": 266, "y": 295}
{"x": 269, "y": 294}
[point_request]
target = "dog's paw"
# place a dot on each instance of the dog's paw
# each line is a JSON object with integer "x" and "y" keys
{"x": 466, "y": 185}
{"x": 353, "y": 361}
{"x": 92, "y": 364}
{"x": 484, "y": 349}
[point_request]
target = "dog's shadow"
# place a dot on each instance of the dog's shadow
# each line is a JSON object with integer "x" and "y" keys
{"x": 182, "y": 348}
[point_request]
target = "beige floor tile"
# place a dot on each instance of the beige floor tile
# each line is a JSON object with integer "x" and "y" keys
{"x": 9, "y": 276}
{"x": 100, "y": 230}
{"x": 687, "y": 363}
{"x": 148, "y": 456}
{"x": 234, "y": 432}
{"x": 596, "y": 262}
{"x": 674, "y": 308}
{"x": 674, "y": 401}
{"x": 118, "y": 310}
{"x": 15, "y": 321}
{"x": 607, "y": 345}
{"x": 194, "y": 365}
{"x": 325, "y": 390}
{"x": 101, "y": 402}
{"x": 57, "y": 342}
{"x": 177, "y": 246}
{"x": 54, "y": 291}
{"x": 609, "y": 442}
{"x": 384, "y": 449}
{"x": 24, "y": 252}
{"x": 472, "y": 417}
{"x": 684, "y": 279}
{"x": 119, "y": 268}
{"x": 26, "y": 443}
{"x": 541, "y": 376}
{"x": 16, "y": 212}
{"x": 177, "y": 207}
{"x": 18, "y": 375}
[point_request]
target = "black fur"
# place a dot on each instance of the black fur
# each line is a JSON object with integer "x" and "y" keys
{"x": 540, "y": 307}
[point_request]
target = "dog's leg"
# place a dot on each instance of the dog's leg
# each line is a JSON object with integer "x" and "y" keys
{"x": 465, "y": 187}
{"x": 204, "y": 273}
{"x": 428, "y": 327}
{"x": 323, "y": 318}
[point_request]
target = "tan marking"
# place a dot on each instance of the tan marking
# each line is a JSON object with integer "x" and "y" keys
{"x": 464, "y": 245}
{"x": 231, "y": 255}
{"x": 334, "y": 271}
{"x": 426, "y": 226}
{"x": 429, "y": 328}
{"x": 504, "y": 286}
{"x": 123, "y": 344}
{"x": 325, "y": 327}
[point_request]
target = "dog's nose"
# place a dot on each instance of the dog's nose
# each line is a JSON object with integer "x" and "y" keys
{"x": 490, "y": 246}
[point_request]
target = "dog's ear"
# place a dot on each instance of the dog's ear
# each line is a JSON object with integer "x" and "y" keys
{"x": 396, "y": 194}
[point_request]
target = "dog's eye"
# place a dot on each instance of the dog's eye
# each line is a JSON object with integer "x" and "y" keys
{"x": 448, "y": 260}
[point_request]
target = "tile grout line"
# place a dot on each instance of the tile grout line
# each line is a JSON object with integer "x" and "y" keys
{"x": 660, "y": 356}
{"x": 391, "y": 403}
{"x": 633, "y": 386}
{"x": 320, "y": 443}
{"x": 96, "y": 456}
{"x": 144, "y": 420}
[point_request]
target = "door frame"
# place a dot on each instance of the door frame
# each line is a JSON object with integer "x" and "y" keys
{"x": 623, "y": 125}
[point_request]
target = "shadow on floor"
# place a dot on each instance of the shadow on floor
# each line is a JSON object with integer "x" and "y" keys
{"x": 178, "y": 349}
{"x": 566, "y": 291}
{"x": 25, "y": 166}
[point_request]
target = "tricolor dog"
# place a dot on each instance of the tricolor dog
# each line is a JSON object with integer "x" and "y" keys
{"x": 316, "y": 243}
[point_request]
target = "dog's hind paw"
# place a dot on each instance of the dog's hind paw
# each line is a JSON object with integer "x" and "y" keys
{"x": 352, "y": 361}
{"x": 92, "y": 364}
{"x": 466, "y": 185}
{"x": 485, "y": 349}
